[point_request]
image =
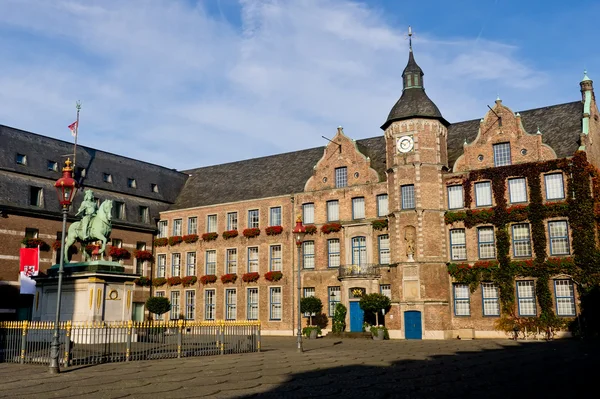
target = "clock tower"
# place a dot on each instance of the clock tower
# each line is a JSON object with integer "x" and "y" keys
{"x": 416, "y": 152}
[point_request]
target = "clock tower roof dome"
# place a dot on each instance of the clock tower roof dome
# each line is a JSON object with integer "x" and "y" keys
{"x": 414, "y": 102}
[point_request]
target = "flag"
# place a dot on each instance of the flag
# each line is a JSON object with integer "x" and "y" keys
{"x": 29, "y": 266}
{"x": 73, "y": 129}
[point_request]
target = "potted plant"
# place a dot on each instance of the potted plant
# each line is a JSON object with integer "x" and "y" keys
{"x": 161, "y": 242}
{"x": 190, "y": 238}
{"x": 176, "y": 280}
{"x": 143, "y": 281}
{"x": 251, "y": 232}
{"x": 188, "y": 280}
{"x": 208, "y": 279}
{"x": 311, "y": 332}
{"x": 379, "y": 224}
{"x": 250, "y": 277}
{"x": 331, "y": 228}
{"x": 175, "y": 240}
{"x": 273, "y": 276}
{"x": 143, "y": 255}
{"x": 229, "y": 278}
{"x": 339, "y": 318}
{"x": 118, "y": 253}
{"x": 230, "y": 234}
{"x": 36, "y": 242}
{"x": 159, "y": 282}
{"x": 373, "y": 304}
{"x": 313, "y": 306}
{"x": 209, "y": 236}
{"x": 274, "y": 230}
{"x": 379, "y": 333}
{"x": 310, "y": 229}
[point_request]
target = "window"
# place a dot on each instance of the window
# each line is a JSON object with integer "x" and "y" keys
{"x": 231, "y": 261}
{"x": 559, "y": 238}
{"x": 192, "y": 225}
{"x": 308, "y": 293}
{"x": 384, "y": 249}
{"x": 106, "y": 177}
{"x": 119, "y": 210}
{"x": 458, "y": 244}
{"x": 334, "y": 295}
{"x": 162, "y": 265}
{"x": 36, "y": 197}
{"x": 502, "y": 154}
{"x": 162, "y": 228}
{"x": 230, "y": 304}
{"x": 526, "y": 298}
{"x": 333, "y": 252}
{"x": 79, "y": 173}
{"x": 386, "y": 289}
{"x": 175, "y": 296}
{"x": 252, "y": 301}
{"x": 160, "y": 294}
{"x": 190, "y": 304}
{"x": 211, "y": 262}
{"x": 455, "y": 197}
{"x": 521, "y": 240}
{"x": 275, "y": 303}
{"x": 554, "y": 186}
{"x": 131, "y": 183}
{"x": 382, "y": 205}
{"x": 176, "y": 265}
{"x": 154, "y": 187}
{"x": 333, "y": 211}
{"x": 483, "y": 193}
{"x": 408, "y": 196}
{"x": 21, "y": 159}
{"x": 177, "y": 223}
{"x": 358, "y": 208}
{"x": 275, "y": 258}
{"x": 359, "y": 251}
{"x": 211, "y": 224}
{"x": 253, "y": 218}
{"x": 275, "y": 216}
{"x": 485, "y": 241}
{"x": 139, "y": 265}
{"x": 117, "y": 242}
{"x": 52, "y": 166}
{"x": 517, "y": 190}
{"x": 308, "y": 213}
{"x": 143, "y": 214}
{"x": 341, "y": 177}
{"x": 565, "y": 297}
{"x": 491, "y": 306}
{"x": 252, "y": 259}
{"x": 232, "y": 221}
{"x": 190, "y": 265}
{"x": 461, "y": 300}
{"x": 308, "y": 254}
{"x": 209, "y": 304}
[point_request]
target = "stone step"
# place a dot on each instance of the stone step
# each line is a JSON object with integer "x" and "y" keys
{"x": 351, "y": 335}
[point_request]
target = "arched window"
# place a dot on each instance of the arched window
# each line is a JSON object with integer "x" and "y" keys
{"x": 359, "y": 250}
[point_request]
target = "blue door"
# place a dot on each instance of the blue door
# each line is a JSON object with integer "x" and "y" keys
{"x": 356, "y": 317}
{"x": 412, "y": 325}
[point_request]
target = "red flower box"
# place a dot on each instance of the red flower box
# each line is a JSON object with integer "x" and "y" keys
{"x": 485, "y": 264}
{"x": 174, "y": 240}
{"x": 274, "y": 230}
{"x": 208, "y": 279}
{"x": 188, "y": 280}
{"x": 190, "y": 238}
{"x": 118, "y": 253}
{"x": 161, "y": 242}
{"x": 250, "y": 277}
{"x": 331, "y": 228}
{"x": 159, "y": 282}
{"x": 142, "y": 281}
{"x": 143, "y": 255}
{"x": 174, "y": 281}
{"x": 379, "y": 224}
{"x": 36, "y": 242}
{"x": 209, "y": 236}
{"x": 310, "y": 229}
{"x": 230, "y": 234}
{"x": 273, "y": 276}
{"x": 252, "y": 232}
{"x": 229, "y": 278}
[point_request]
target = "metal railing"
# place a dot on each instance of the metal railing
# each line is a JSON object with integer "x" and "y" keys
{"x": 102, "y": 342}
{"x": 365, "y": 271}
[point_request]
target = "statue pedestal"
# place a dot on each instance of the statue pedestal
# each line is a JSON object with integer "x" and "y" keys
{"x": 410, "y": 258}
{"x": 91, "y": 291}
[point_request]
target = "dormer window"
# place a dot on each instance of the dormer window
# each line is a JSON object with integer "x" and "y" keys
{"x": 21, "y": 159}
{"x": 107, "y": 177}
{"x": 79, "y": 172}
{"x": 131, "y": 183}
{"x": 154, "y": 187}
{"x": 52, "y": 166}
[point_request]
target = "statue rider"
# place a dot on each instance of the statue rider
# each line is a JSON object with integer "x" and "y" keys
{"x": 88, "y": 207}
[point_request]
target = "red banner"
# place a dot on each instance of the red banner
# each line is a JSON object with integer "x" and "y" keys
{"x": 30, "y": 261}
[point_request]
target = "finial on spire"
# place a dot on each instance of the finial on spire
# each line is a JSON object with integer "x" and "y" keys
{"x": 410, "y": 33}
{"x": 585, "y": 77}
{"x": 538, "y": 130}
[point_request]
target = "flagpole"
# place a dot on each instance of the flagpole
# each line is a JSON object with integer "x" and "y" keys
{"x": 78, "y": 107}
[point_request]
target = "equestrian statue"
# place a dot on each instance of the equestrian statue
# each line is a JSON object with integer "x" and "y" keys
{"x": 95, "y": 225}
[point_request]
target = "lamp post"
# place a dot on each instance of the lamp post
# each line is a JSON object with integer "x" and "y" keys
{"x": 299, "y": 232}
{"x": 66, "y": 187}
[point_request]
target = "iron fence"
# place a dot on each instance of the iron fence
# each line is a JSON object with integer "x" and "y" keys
{"x": 102, "y": 342}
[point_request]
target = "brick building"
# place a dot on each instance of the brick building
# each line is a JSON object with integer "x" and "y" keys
{"x": 443, "y": 218}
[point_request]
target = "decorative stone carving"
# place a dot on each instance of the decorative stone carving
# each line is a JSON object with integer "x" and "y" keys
{"x": 410, "y": 234}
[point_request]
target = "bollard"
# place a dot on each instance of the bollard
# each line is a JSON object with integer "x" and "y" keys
{"x": 128, "y": 350}
{"x": 23, "y": 341}
{"x": 179, "y": 337}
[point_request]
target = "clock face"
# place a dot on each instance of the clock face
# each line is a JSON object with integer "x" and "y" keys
{"x": 404, "y": 144}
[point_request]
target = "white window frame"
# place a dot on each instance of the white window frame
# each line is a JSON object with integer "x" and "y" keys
{"x": 252, "y": 303}
{"x": 211, "y": 262}
{"x": 486, "y": 249}
{"x": 341, "y": 177}
{"x": 333, "y": 253}
{"x": 501, "y": 158}
{"x": 386, "y": 289}
{"x": 462, "y": 300}
{"x": 232, "y": 221}
{"x": 253, "y": 259}
{"x": 517, "y": 190}
{"x": 408, "y": 198}
{"x": 211, "y": 223}
{"x": 163, "y": 228}
{"x": 190, "y": 304}
{"x": 555, "y": 238}
{"x": 176, "y": 264}
{"x": 230, "y": 304}
{"x": 521, "y": 242}
{"x": 308, "y": 213}
{"x": 458, "y": 246}
{"x": 333, "y": 211}
{"x": 275, "y": 262}
{"x": 358, "y": 208}
{"x": 231, "y": 261}
{"x": 275, "y": 303}
{"x": 455, "y": 197}
{"x": 490, "y": 295}
{"x": 526, "y": 298}
{"x": 190, "y": 264}
{"x": 483, "y": 193}
{"x": 210, "y": 303}
{"x": 161, "y": 265}
{"x": 382, "y": 205}
{"x": 177, "y": 227}
{"x": 192, "y": 225}
{"x": 308, "y": 254}
{"x": 275, "y": 216}
{"x": 564, "y": 293}
{"x": 334, "y": 296}
{"x": 175, "y": 305}
{"x": 555, "y": 186}
{"x": 253, "y": 219}
{"x": 383, "y": 246}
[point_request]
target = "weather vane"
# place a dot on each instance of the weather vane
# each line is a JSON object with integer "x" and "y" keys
{"x": 410, "y": 35}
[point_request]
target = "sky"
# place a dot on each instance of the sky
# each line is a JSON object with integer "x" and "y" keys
{"x": 191, "y": 83}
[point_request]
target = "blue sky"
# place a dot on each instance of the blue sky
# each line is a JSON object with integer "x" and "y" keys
{"x": 185, "y": 83}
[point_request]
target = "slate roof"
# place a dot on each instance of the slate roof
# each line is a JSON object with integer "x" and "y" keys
{"x": 285, "y": 174}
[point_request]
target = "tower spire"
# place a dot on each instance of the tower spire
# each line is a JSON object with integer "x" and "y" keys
{"x": 410, "y": 33}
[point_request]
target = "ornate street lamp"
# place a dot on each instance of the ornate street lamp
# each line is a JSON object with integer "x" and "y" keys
{"x": 299, "y": 232}
{"x": 66, "y": 187}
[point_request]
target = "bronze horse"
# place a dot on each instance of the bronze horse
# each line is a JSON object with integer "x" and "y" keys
{"x": 99, "y": 230}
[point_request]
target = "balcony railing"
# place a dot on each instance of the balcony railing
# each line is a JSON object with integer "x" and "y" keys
{"x": 367, "y": 270}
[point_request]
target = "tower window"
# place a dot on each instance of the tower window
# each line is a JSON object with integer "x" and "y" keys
{"x": 22, "y": 159}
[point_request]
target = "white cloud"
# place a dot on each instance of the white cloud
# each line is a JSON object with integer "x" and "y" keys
{"x": 166, "y": 82}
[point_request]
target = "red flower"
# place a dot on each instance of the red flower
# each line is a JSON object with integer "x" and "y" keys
{"x": 190, "y": 238}
{"x": 230, "y": 234}
{"x": 331, "y": 228}
{"x": 143, "y": 255}
{"x": 250, "y": 277}
{"x": 274, "y": 230}
{"x": 174, "y": 281}
{"x": 273, "y": 276}
{"x": 161, "y": 242}
{"x": 118, "y": 253}
{"x": 158, "y": 282}
{"x": 311, "y": 229}
{"x": 188, "y": 280}
{"x": 208, "y": 279}
{"x": 209, "y": 236}
{"x": 229, "y": 278}
{"x": 174, "y": 240}
{"x": 251, "y": 233}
